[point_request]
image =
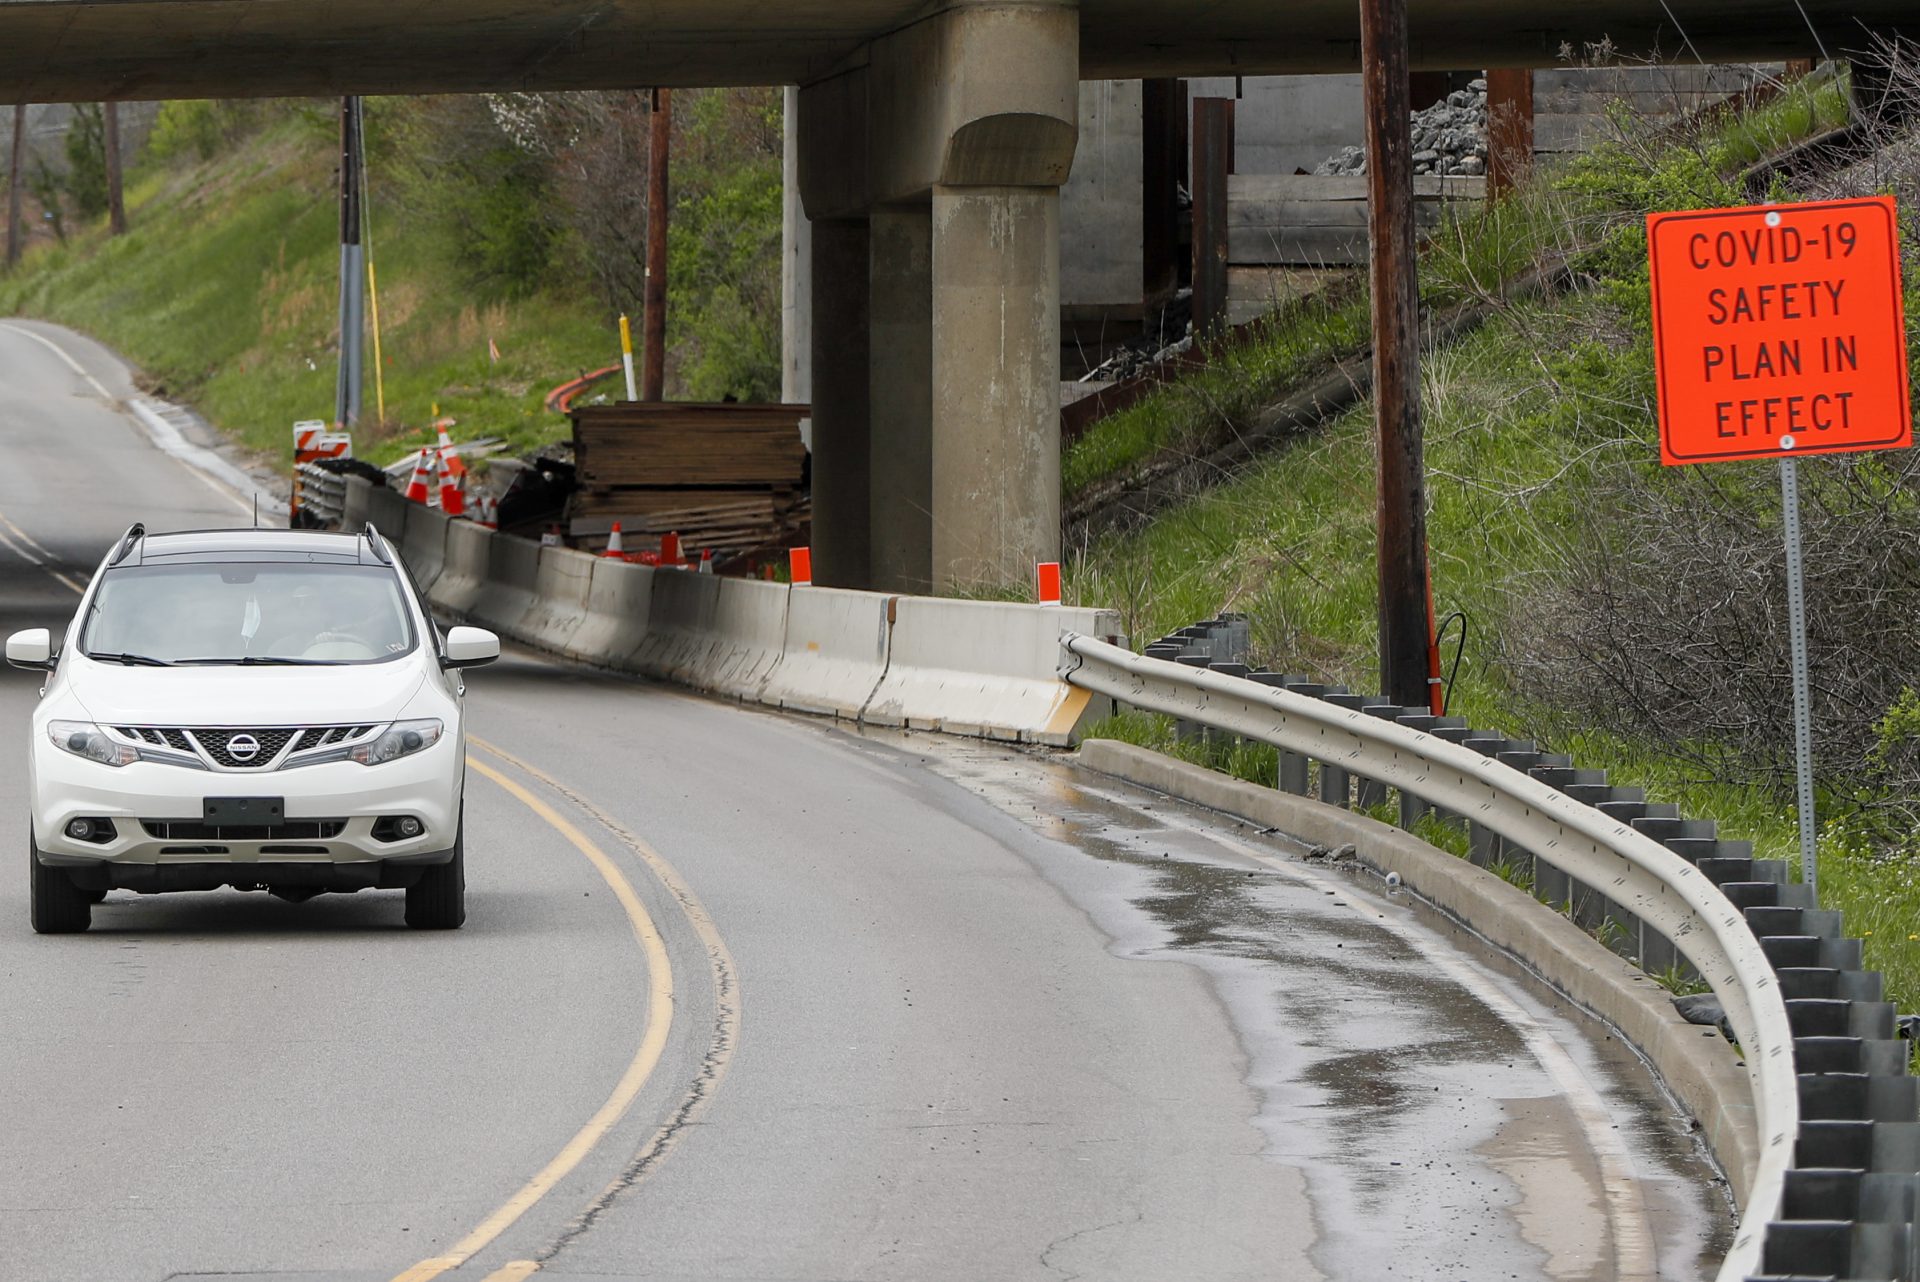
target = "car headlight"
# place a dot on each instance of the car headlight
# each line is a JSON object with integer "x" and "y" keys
{"x": 402, "y": 739}
{"x": 84, "y": 739}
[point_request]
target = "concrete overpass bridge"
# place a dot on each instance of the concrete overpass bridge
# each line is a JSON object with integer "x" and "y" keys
{"x": 933, "y": 141}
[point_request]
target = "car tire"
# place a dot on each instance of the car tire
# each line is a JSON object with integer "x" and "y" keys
{"x": 95, "y": 896}
{"x": 55, "y": 905}
{"x": 438, "y": 901}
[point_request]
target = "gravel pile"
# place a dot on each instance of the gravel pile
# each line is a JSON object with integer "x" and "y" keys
{"x": 1449, "y": 137}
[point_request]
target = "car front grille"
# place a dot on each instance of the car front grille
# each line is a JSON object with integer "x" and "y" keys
{"x": 288, "y": 830}
{"x": 225, "y": 747}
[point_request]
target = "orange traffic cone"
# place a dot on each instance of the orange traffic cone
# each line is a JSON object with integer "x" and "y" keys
{"x": 489, "y": 511}
{"x": 450, "y": 461}
{"x": 706, "y": 560}
{"x": 616, "y": 546}
{"x": 453, "y": 499}
{"x": 418, "y": 487}
{"x": 670, "y": 550}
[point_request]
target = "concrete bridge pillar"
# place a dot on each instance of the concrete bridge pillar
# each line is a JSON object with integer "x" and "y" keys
{"x": 839, "y": 303}
{"x": 950, "y": 142}
{"x": 902, "y": 397}
{"x": 996, "y": 383}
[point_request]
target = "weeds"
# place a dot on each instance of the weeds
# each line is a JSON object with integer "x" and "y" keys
{"x": 1680, "y": 979}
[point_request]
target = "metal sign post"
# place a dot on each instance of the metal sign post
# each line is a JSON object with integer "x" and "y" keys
{"x": 1797, "y": 642}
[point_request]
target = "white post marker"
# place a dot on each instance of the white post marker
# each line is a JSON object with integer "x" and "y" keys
{"x": 626, "y": 356}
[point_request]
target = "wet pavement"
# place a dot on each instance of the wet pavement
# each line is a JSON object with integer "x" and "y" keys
{"x": 1451, "y": 1116}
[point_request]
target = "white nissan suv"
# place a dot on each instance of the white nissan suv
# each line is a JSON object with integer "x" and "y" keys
{"x": 264, "y": 709}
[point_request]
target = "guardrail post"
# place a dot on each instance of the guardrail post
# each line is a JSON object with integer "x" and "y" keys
{"x": 1292, "y": 774}
{"x": 1657, "y": 953}
{"x": 1184, "y": 730}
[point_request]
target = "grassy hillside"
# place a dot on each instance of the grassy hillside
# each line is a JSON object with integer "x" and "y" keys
{"x": 226, "y": 289}
{"x": 226, "y": 293}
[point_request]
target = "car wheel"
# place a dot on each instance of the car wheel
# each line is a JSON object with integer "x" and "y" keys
{"x": 56, "y": 906}
{"x": 438, "y": 901}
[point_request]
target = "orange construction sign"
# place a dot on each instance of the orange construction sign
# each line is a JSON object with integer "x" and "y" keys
{"x": 1778, "y": 330}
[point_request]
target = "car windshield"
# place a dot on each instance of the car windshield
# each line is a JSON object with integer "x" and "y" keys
{"x": 248, "y": 612}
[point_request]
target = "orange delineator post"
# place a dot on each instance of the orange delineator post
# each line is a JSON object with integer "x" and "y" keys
{"x": 1048, "y": 583}
{"x": 1436, "y": 689}
{"x": 800, "y": 565}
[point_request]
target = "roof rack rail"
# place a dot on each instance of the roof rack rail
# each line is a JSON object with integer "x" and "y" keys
{"x": 134, "y": 534}
{"x": 378, "y": 544}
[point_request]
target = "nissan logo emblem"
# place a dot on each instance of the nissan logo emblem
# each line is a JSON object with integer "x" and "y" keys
{"x": 243, "y": 747}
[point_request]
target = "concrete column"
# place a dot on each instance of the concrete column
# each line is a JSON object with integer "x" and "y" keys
{"x": 900, "y": 249}
{"x": 796, "y": 272}
{"x": 840, "y": 403}
{"x": 996, "y": 384}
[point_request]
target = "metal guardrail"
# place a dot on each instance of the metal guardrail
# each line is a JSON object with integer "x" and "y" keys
{"x": 1632, "y": 869}
{"x": 323, "y": 494}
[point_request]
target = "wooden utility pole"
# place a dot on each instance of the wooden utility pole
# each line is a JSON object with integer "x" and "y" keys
{"x": 110, "y": 147}
{"x": 16, "y": 158}
{"x": 1212, "y": 150}
{"x": 1405, "y": 630}
{"x": 653, "y": 358}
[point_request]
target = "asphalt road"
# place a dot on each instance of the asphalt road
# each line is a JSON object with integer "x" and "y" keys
{"x": 748, "y": 997}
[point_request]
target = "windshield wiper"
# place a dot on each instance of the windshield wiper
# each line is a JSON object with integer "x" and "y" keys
{"x": 260, "y": 660}
{"x": 131, "y": 660}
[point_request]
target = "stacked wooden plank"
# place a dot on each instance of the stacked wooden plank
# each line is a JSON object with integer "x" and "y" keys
{"x": 727, "y": 477}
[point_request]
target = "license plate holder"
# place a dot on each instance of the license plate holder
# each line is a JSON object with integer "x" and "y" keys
{"x": 243, "y": 812}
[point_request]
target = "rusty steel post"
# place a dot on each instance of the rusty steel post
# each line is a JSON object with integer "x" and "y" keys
{"x": 14, "y": 164}
{"x": 1162, "y": 112}
{"x": 653, "y": 360}
{"x": 1393, "y": 272}
{"x": 1509, "y": 128}
{"x": 1212, "y": 161}
{"x": 110, "y": 148}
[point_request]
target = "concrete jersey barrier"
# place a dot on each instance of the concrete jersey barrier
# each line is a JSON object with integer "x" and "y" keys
{"x": 985, "y": 668}
{"x": 463, "y": 573}
{"x": 423, "y": 544}
{"x": 679, "y": 626}
{"x": 513, "y": 576}
{"x": 834, "y": 652}
{"x": 619, "y": 605}
{"x": 386, "y": 510}
{"x": 751, "y": 618}
{"x": 560, "y": 587}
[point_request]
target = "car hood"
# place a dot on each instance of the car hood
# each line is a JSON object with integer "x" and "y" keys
{"x": 348, "y": 694}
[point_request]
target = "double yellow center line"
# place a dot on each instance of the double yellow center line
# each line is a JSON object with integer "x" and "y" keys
{"x": 660, "y": 1011}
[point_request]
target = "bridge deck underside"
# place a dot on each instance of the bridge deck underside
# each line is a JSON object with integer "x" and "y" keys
{"x": 79, "y": 50}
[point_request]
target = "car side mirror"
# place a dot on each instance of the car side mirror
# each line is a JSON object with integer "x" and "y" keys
{"x": 32, "y": 648}
{"x": 465, "y": 647}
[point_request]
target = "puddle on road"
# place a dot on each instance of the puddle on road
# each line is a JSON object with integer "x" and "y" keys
{"x": 1450, "y": 1116}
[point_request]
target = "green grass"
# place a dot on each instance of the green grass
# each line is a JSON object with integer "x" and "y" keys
{"x": 225, "y": 294}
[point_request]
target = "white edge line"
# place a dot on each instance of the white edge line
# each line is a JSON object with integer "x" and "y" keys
{"x": 225, "y": 479}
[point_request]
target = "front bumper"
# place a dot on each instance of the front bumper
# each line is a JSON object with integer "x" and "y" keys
{"x": 426, "y": 785}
